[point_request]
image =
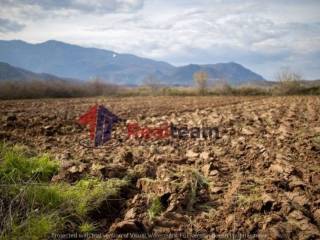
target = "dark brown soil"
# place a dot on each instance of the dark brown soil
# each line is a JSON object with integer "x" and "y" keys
{"x": 261, "y": 178}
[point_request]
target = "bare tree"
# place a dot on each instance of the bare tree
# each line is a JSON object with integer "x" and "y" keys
{"x": 289, "y": 81}
{"x": 286, "y": 75}
{"x": 201, "y": 80}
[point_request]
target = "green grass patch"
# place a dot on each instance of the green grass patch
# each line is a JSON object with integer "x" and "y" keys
{"x": 44, "y": 197}
{"x": 17, "y": 167}
{"x": 35, "y": 226}
{"x": 88, "y": 194}
{"x": 155, "y": 208}
{"x": 33, "y": 208}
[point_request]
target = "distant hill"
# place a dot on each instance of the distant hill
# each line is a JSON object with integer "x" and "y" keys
{"x": 71, "y": 61}
{"x": 233, "y": 73}
{"x": 8, "y": 72}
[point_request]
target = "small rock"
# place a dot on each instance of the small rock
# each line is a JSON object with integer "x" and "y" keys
{"x": 73, "y": 169}
{"x": 216, "y": 190}
{"x": 276, "y": 168}
{"x": 296, "y": 214}
{"x": 131, "y": 214}
{"x": 214, "y": 172}
{"x": 247, "y": 131}
{"x": 192, "y": 154}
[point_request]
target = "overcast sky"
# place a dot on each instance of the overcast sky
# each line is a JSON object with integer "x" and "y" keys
{"x": 264, "y": 37}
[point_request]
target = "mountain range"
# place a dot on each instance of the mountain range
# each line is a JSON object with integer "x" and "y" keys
{"x": 71, "y": 61}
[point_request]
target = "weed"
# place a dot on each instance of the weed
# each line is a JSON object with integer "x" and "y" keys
{"x": 196, "y": 181}
{"x": 88, "y": 194}
{"x": 87, "y": 227}
{"x": 155, "y": 208}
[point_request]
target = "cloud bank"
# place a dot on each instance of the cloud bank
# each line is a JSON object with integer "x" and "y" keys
{"x": 262, "y": 36}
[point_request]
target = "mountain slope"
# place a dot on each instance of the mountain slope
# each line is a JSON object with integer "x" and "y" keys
{"x": 71, "y": 61}
{"x": 8, "y": 72}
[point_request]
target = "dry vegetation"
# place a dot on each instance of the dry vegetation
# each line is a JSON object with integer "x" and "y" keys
{"x": 289, "y": 83}
{"x": 54, "y": 89}
{"x": 260, "y": 177}
{"x": 40, "y": 89}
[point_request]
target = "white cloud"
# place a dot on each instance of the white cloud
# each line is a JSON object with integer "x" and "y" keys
{"x": 260, "y": 35}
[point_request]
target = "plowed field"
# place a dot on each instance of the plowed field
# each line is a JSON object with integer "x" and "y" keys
{"x": 260, "y": 179}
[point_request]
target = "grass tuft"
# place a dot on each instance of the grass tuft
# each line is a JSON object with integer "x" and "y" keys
{"x": 16, "y": 167}
{"x": 156, "y": 208}
{"x": 196, "y": 182}
{"x": 87, "y": 227}
{"x": 89, "y": 194}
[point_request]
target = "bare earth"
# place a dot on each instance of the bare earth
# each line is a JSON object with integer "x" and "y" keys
{"x": 260, "y": 178}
